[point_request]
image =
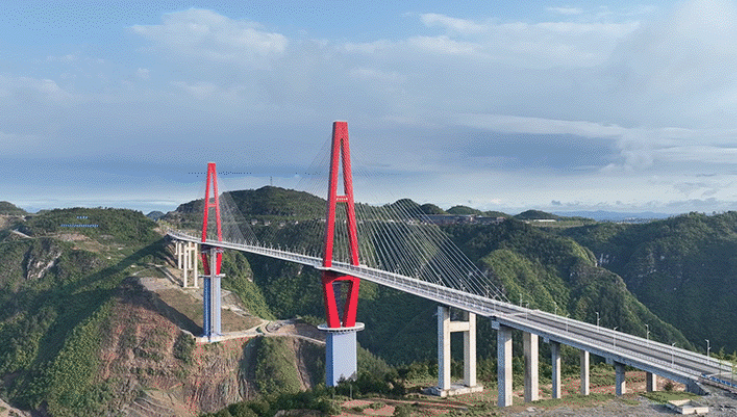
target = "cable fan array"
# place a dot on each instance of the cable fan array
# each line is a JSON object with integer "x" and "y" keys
{"x": 397, "y": 237}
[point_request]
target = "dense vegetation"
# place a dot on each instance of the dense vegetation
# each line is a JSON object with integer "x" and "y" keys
{"x": 683, "y": 268}
{"x": 121, "y": 225}
{"x": 55, "y": 297}
{"x": 7, "y": 208}
{"x": 54, "y": 302}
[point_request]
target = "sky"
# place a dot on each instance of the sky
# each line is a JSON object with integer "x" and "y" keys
{"x": 500, "y": 105}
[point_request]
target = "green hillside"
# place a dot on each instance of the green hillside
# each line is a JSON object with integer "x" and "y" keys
{"x": 553, "y": 272}
{"x": 7, "y": 208}
{"x": 60, "y": 286}
{"x": 683, "y": 268}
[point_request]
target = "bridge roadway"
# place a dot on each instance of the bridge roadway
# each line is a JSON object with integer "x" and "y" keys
{"x": 658, "y": 358}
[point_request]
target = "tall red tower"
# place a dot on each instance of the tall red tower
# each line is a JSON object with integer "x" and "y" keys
{"x": 340, "y": 150}
{"x": 341, "y": 331}
{"x": 212, "y": 257}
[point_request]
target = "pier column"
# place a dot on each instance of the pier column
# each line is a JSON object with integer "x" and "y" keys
{"x": 469, "y": 351}
{"x": 530, "y": 342}
{"x": 504, "y": 365}
{"x": 445, "y": 327}
{"x": 555, "y": 359}
{"x": 619, "y": 380}
{"x": 195, "y": 265}
{"x": 651, "y": 382}
{"x": 211, "y": 298}
{"x": 585, "y": 379}
{"x": 340, "y": 353}
{"x": 185, "y": 263}
{"x": 178, "y": 253}
{"x": 443, "y": 348}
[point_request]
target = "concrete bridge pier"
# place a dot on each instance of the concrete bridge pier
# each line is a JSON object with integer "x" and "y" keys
{"x": 504, "y": 363}
{"x": 651, "y": 382}
{"x": 178, "y": 252}
{"x": 619, "y": 381}
{"x": 187, "y": 261}
{"x": 531, "y": 348}
{"x": 585, "y": 378}
{"x": 211, "y": 297}
{"x": 340, "y": 353}
{"x": 445, "y": 327}
{"x": 557, "y": 370}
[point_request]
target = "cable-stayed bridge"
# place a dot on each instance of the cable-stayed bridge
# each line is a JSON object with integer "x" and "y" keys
{"x": 420, "y": 260}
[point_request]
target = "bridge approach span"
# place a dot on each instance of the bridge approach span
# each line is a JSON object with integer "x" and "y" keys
{"x": 658, "y": 358}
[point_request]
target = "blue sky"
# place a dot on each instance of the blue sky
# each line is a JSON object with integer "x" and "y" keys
{"x": 505, "y": 105}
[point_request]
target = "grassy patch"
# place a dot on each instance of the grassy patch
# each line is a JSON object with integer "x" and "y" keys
{"x": 663, "y": 397}
{"x": 575, "y": 400}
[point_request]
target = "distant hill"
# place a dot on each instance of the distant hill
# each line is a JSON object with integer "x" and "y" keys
{"x": 268, "y": 201}
{"x": 614, "y": 216}
{"x": 155, "y": 215}
{"x": 536, "y": 215}
{"x": 122, "y": 225}
{"x": 496, "y": 214}
{"x": 464, "y": 210}
{"x": 431, "y": 209}
{"x": 11, "y": 209}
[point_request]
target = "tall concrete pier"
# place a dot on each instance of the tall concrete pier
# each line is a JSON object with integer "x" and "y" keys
{"x": 211, "y": 298}
{"x": 446, "y": 326}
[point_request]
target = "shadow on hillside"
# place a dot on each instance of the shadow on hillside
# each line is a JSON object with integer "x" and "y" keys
{"x": 135, "y": 293}
{"x": 77, "y": 299}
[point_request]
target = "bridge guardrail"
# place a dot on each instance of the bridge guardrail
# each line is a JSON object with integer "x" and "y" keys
{"x": 491, "y": 307}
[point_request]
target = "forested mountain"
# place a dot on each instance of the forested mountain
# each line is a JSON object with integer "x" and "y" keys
{"x": 81, "y": 336}
{"x": 683, "y": 268}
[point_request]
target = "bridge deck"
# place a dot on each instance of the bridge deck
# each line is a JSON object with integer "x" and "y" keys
{"x": 665, "y": 360}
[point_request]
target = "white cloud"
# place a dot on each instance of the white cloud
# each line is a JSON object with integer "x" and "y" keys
{"x": 566, "y": 10}
{"x": 204, "y": 34}
{"x": 538, "y": 126}
{"x": 462, "y": 26}
{"x": 38, "y": 90}
{"x": 442, "y": 45}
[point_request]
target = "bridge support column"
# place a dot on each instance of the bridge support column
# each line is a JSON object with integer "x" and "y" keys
{"x": 187, "y": 261}
{"x": 445, "y": 328}
{"x": 195, "y": 266}
{"x": 211, "y": 298}
{"x": 504, "y": 365}
{"x": 178, "y": 252}
{"x": 531, "y": 348}
{"x": 555, "y": 359}
{"x": 651, "y": 382}
{"x": 443, "y": 349}
{"x": 340, "y": 353}
{"x": 619, "y": 380}
{"x": 585, "y": 379}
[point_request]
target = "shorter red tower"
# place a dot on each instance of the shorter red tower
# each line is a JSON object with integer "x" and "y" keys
{"x": 212, "y": 257}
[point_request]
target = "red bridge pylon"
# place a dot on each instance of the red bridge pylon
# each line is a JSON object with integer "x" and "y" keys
{"x": 212, "y": 257}
{"x": 340, "y": 352}
{"x": 340, "y": 150}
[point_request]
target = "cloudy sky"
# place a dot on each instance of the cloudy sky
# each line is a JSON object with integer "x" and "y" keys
{"x": 503, "y": 105}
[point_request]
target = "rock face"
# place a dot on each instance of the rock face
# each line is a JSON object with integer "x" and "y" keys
{"x": 158, "y": 370}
